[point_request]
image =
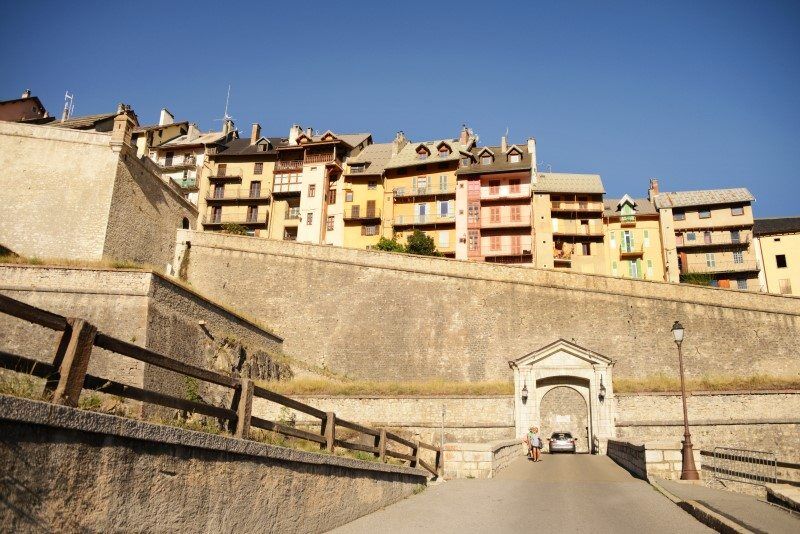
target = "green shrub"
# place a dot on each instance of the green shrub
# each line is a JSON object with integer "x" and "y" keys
{"x": 390, "y": 245}
{"x": 233, "y": 228}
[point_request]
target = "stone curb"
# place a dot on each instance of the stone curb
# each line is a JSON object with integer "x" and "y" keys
{"x": 785, "y": 496}
{"x": 46, "y": 414}
{"x": 703, "y": 514}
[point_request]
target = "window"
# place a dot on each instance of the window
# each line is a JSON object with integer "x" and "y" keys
{"x": 691, "y": 236}
{"x": 222, "y": 169}
{"x": 738, "y": 257}
{"x": 785, "y": 286}
{"x": 714, "y": 283}
{"x": 633, "y": 269}
{"x": 168, "y": 159}
{"x": 494, "y": 242}
{"x": 309, "y": 219}
{"x": 329, "y": 224}
{"x": 372, "y": 184}
{"x": 613, "y": 237}
{"x": 513, "y": 186}
{"x": 741, "y": 283}
{"x": 348, "y": 196}
{"x": 647, "y": 238}
{"x": 312, "y": 190}
{"x": 614, "y": 271}
{"x": 258, "y": 168}
{"x": 444, "y": 208}
{"x": 514, "y": 158}
{"x": 586, "y": 250}
{"x": 649, "y": 268}
{"x": 710, "y": 261}
{"x": 443, "y": 182}
{"x": 255, "y": 189}
{"x": 444, "y": 152}
{"x": 707, "y": 238}
{"x": 185, "y": 223}
{"x": 355, "y": 169}
{"x": 252, "y": 213}
{"x": 219, "y": 191}
{"x": 473, "y": 240}
{"x": 704, "y": 214}
{"x": 737, "y": 210}
{"x": 780, "y": 260}
{"x": 494, "y": 187}
{"x": 444, "y": 239}
{"x": 494, "y": 214}
{"x": 422, "y": 154}
{"x": 516, "y": 214}
{"x": 422, "y": 182}
{"x": 369, "y": 230}
{"x": 216, "y": 214}
{"x": 331, "y": 196}
{"x": 473, "y": 212}
{"x": 735, "y": 236}
{"x": 679, "y": 215}
{"x": 465, "y": 162}
{"x": 486, "y": 160}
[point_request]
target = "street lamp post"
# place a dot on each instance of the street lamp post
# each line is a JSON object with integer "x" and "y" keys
{"x": 688, "y": 470}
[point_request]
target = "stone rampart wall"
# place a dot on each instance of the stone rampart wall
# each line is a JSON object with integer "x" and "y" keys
{"x": 480, "y": 460}
{"x": 75, "y": 471}
{"x": 387, "y": 316}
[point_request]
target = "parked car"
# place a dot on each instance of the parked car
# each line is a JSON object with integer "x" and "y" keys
{"x": 562, "y": 442}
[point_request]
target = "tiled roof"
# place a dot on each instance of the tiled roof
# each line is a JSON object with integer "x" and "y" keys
{"x": 82, "y": 123}
{"x": 707, "y": 197}
{"x": 408, "y": 154}
{"x": 202, "y": 139}
{"x": 375, "y": 157}
{"x": 776, "y": 225}
{"x": 643, "y": 207}
{"x": 561, "y": 182}
{"x": 500, "y": 163}
{"x": 242, "y": 147}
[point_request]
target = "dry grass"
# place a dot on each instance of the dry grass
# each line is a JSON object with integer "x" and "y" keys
{"x": 106, "y": 263}
{"x": 663, "y": 383}
{"x": 432, "y": 388}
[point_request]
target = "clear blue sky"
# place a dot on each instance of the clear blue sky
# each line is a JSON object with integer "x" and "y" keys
{"x": 700, "y": 94}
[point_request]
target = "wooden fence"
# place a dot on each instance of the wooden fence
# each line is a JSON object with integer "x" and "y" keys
{"x": 67, "y": 375}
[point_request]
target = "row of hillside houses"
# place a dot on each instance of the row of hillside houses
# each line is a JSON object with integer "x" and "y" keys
{"x": 477, "y": 202}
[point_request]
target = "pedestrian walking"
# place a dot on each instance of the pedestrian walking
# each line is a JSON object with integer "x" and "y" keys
{"x": 536, "y": 444}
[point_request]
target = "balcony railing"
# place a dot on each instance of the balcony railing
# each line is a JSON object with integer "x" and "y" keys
{"x": 288, "y": 165}
{"x": 523, "y": 249}
{"x": 237, "y": 194}
{"x": 626, "y": 249}
{"x": 562, "y": 256}
{"x": 506, "y": 222}
{"x": 576, "y": 206}
{"x": 168, "y": 163}
{"x": 292, "y": 214}
{"x": 522, "y": 191}
{"x": 235, "y": 218}
{"x": 323, "y": 158}
{"x": 415, "y": 220}
{"x": 714, "y": 240}
{"x": 401, "y": 192}
{"x": 578, "y": 230}
{"x": 227, "y": 175}
{"x": 286, "y": 189}
{"x": 356, "y": 213}
{"x": 722, "y": 267}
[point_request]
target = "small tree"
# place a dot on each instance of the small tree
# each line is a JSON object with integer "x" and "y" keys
{"x": 389, "y": 245}
{"x": 421, "y": 244}
{"x": 233, "y": 228}
{"x": 697, "y": 279}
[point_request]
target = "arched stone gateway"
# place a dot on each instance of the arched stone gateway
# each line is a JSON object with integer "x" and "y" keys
{"x": 564, "y": 384}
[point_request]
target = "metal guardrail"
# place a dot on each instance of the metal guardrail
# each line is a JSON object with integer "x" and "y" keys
{"x": 743, "y": 465}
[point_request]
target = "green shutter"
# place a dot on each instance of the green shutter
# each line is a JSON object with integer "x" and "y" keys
{"x": 639, "y": 268}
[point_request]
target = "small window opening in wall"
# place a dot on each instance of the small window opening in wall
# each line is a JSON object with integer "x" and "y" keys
{"x": 780, "y": 260}
{"x": 185, "y": 223}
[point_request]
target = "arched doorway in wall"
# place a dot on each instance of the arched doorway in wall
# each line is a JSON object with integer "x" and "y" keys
{"x": 563, "y": 408}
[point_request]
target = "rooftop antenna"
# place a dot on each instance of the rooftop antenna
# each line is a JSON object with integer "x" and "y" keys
{"x": 225, "y": 118}
{"x": 69, "y": 106}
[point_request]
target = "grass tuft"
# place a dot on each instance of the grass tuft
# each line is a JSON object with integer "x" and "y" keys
{"x": 319, "y": 386}
{"x": 664, "y": 383}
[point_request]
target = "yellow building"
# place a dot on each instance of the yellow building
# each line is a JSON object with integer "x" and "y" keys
{"x": 420, "y": 189}
{"x": 147, "y": 137}
{"x": 777, "y": 244}
{"x": 633, "y": 239}
{"x": 363, "y": 193}
{"x": 236, "y": 183}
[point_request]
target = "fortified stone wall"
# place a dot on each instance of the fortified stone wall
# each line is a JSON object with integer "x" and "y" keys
{"x": 67, "y": 194}
{"x": 767, "y": 421}
{"x": 388, "y": 316}
{"x": 144, "y": 215}
{"x": 141, "y": 308}
{"x": 55, "y": 188}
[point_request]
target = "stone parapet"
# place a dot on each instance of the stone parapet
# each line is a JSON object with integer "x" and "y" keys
{"x": 479, "y": 460}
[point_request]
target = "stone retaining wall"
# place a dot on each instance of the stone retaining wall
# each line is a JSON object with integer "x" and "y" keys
{"x": 656, "y": 458}
{"x": 479, "y": 460}
{"x": 70, "y": 470}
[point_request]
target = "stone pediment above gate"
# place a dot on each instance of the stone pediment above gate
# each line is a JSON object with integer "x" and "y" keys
{"x": 562, "y": 354}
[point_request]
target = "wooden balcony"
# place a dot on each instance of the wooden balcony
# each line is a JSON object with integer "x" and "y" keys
{"x": 258, "y": 220}
{"x": 719, "y": 267}
{"x": 288, "y": 165}
{"x": 630, "y": 251}
{"x": 412, "y": 192}
{"x": 356, "y": 213}
{"x": 286, "y": 190}
{"x": 329, "y": 158}
{"x": 581, "y": 207}
{"x": 504, "y": 192}
{"x": 506, "y": 222}
{"x": 424, "y": 220}
{"x": 177, "y": 163}
{"x": 712, "y": 241}
{"x": 578, "y": 231}
{"x": 523, "y": 249}
{"x": 238, "y": 195}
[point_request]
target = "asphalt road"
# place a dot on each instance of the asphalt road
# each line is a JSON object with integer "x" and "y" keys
{"x": 563, "y": 493}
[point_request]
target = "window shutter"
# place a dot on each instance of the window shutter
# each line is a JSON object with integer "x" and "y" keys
{"x": 451, "y": 207}
{"x": 363, "y": 230}
{"x": 414, "y": 182}
{"x": 631, "y": 267}
{"x": 639, "y": 268}
{"x": 647, "y": 238}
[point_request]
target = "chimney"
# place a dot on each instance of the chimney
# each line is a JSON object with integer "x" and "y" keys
{"x": 165, "y": 117}
{"x": 294, "y": 133}
{"x": 193, "y": 132}
{"x": 532, "y": 152}
{"x": 464, "y": 136}
{"x": 503, "y": 144}
{"x": 255, "y": 133}
{"x": 310, "y": 132}
{"x": 124, "y": 123}
{"x": 227, "y": 126}
{"x": 653, "y": 191}
{"x": 26, "y": 93}
{"x": 399, "y": 142}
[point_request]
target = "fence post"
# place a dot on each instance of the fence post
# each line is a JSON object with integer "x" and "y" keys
{"x": 438, "y": 462}
{"x": 244, "y": 409}
{"x": 329, "y": 431}
{"x": 416, "y": 451}
{"x": 380, "y": 442}
{"x": 74, "y": 363}
{"x": 63, "y": 342}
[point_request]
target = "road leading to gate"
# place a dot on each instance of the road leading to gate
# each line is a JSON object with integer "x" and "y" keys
{"x": 563, "y": 493}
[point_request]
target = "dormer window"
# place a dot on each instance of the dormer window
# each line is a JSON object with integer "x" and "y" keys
{"x": 423, "y": 152}
{"x": 444, "y": 150}
{"x": 465, "y": 162}
{"x": 486, "y": 160}
{"x": 514, "y": 158}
